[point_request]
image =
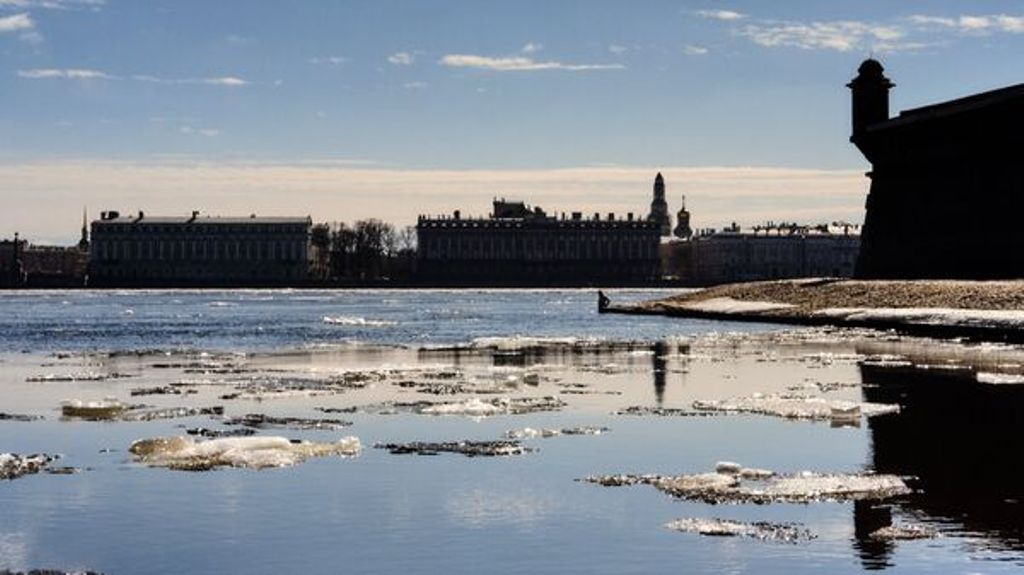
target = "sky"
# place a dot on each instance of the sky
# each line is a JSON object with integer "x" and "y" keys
{"x": 392, "y": 108}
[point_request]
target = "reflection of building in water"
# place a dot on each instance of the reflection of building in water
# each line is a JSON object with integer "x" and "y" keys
{"x": 658, "y": 368}
{"x": 946, "y": 191}
{"x": 143, "y": 250}
{"x": 519, "y": 245}
{"x": 960, "y": 439}
{"x": 772, "y": 251}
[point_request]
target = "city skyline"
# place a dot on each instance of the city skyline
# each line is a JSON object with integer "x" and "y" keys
{"x": 388, "y": 109}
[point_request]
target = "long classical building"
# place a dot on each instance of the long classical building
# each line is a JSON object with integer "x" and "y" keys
{"x": 946, "y": 187}
{"x": 516, "y": 245}
{"x": 140, "y": 250}
{"x": 763, "y": 253}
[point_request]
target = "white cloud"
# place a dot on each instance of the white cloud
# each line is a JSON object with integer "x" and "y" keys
{"x": 532, "y": 47}
{"x": 401, "y": 59}
{"x": 329, "y": 60}
{"x": 16, "y": 22}
{"x": 67, "y": 73}
{"x": 208, "y": 132}
{"x": 415, "y": 85}
{"x": 840, "y": 35}
{"x": 230, "y": 81}
{"x": 972, "y": 24}
{"x": 618, "y": 49}
{"x": 517, "y": 64}
{"x": 693, "y": 50}
{"x": 54, "y": 4}
{"x": 726, "y": 15}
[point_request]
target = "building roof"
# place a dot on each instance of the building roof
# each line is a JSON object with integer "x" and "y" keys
{"x": 952, "y": 107}
{"x": 203, "y": 220}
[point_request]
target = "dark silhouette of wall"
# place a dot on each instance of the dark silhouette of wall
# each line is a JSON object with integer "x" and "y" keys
{"x": 947, "y": 192}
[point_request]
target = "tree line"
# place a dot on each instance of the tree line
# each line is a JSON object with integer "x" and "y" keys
{"x": 367, "y": 250}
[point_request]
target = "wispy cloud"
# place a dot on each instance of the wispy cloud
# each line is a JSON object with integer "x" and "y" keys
{"x": 230, "y": 81}
{"x": 618, "y": 49}
{"x": 89, "y": 74}
{"x": 418, "y": 85}
{"x": 208, "y": 132}
{"x": 65, "y": 73}
{"x": 517, "y": 64}
{"x": 841, "y": 35}
{"x": 726, "y": 15}
{"x": 972, "y": 24}
{"x": 532, "y": 47}
{"x": 54, "y": 4}
{"x": 694, "y": 50}
{"x": 17, "y": 22}
{"x": 401, "y": 59}
{"x": 329, "y": 60}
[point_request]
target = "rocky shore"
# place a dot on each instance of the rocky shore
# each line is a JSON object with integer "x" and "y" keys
{"x": 992, "y": 310}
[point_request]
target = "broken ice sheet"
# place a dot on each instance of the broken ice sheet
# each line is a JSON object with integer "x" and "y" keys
{"x": 13, "y": 466}
{"x": 186, "y": 454}
{"x": 475, "y": 407}
{"x": 797, "y": 407}
{"x": 262, "y": 421}
{"x": 501, "y": 448}
{"x": 903, "y": 533}
{"x": 529, "y": 432}
{"x": 765, "y": 487}
{"x": 760, "y": 530}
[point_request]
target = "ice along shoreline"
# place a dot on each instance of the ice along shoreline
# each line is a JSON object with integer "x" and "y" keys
{"x": 978, "y": 310}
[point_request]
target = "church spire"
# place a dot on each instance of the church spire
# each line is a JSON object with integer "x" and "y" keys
{"x": 83, "y": 243}
{"x": 659, "y": 208}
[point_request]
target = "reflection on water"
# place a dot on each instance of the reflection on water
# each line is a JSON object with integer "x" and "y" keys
{"x": 960, "y": 440}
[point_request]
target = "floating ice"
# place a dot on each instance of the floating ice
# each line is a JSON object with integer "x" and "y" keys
{"x": 108, "y": 408}
{"x": 73, "y": 377}
{"x": 467, "y": 448}
{"x": 475, "y": 407}
{"x": 164, "y": 390}
{"x": 903, "y": 533}
{"x": 666, "y": 412}
{"x": 261, "y": 421}
{"x": 760, "y": 488}
{"x": 13, "y": 466}
{"x": 529, "y": 432}
{"x": 760, "y": 530}
{"x": 358, "y": 321}
{"x": 797, "y": 407}
{"x": 986, "y": 318}
{"x": 19, "y": 417}
{"x": 999, "y": 378}
{"x": 184, "y": 453}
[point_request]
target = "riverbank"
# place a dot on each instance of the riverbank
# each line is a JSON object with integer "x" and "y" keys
{"x": 991, "y": 311}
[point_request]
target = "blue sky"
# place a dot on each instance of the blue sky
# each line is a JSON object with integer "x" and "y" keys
{"x": 390, "y": 108}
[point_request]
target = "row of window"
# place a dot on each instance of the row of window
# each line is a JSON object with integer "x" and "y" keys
{"x": 200, "y": 228}
{"x": 581, "y": 247}
{"x": 198, "y": 250}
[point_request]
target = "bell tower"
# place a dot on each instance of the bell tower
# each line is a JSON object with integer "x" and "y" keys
{"x": 683, "y": 230}
{"x": 659, "y": 208}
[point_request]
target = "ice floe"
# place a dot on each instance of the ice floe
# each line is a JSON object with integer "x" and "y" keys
{"x": 903, "y": 533}
{"x": 261, "y": 421}
{"x": 13, "y": 466}
{"x": 476, "y": 407}
{"x": 797, "y": 407}
{"x": 186, "y": 454}
{"x": 358, "y": 321}
{"x": 19, "y": 417}
{"x": 641, "y": 410}
{"x": 530, "y": 432}
{"x": 988, "y": 318}
{"x": 765, "y": 487}
{"x": 760, "y": 530}
{"x": 999, "y": 378}
{"x": 467, "y": 448}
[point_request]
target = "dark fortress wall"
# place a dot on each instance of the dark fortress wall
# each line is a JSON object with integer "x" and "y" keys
{"x": 947, "y": 190}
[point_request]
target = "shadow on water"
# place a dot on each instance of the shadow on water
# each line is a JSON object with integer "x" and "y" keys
{"x": 960, "y": 440}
